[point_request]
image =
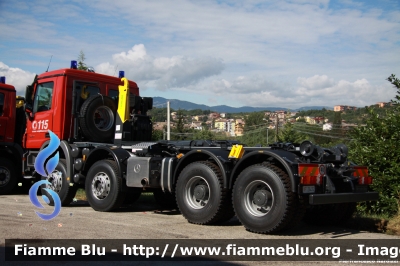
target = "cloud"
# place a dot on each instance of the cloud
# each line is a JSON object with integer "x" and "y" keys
{"x": 16, "y": 77}
{"x": 293, "y": 52}
{"x": 162, "y": 72}
{"x": 243, "y": 85}
{"x": 315, "y": 90}
{"x": 316, "y": 82}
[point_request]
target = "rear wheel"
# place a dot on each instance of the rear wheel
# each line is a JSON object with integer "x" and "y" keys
{"x": 103, "y": 186}
{"x": 8, "y": 177}
{"x": 200, "y": 194}
{"x": 60, "y": 183}
{"x": 262, "y": 198}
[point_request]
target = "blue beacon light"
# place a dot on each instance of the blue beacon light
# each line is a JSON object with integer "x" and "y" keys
{"x": 74, "y": 64}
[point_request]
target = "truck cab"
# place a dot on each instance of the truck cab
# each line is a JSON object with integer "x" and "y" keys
{"x": 7, "y": 112}
{"x": 62, "y": 101}
{"x": 12, "y": 125}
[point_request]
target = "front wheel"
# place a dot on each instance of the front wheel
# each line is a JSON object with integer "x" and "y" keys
{"x": 60, "y": 183}
{"x": 262, "y": 198}
{"x": 103, "y": 186}
{"x": 200, "y": 194}
{"x": 8, "y": 177}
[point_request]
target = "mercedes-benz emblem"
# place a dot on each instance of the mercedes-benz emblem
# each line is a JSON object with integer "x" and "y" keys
{"x": 136, "y": 168}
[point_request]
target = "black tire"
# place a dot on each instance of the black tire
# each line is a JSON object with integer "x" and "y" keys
{"x": 262, "y": 198}
{"x": 299, "y": 212}
{"x": 103, "y": 186}
{"x": 132, "y": 195}
{"x": 97, "y": 118}
{"x": 200, "y": 194}
{"x": 8, "y": 176}
{"x": 165, "y": 200}
{"x": 331, "y": 214}
{"x": 60, "y": 183}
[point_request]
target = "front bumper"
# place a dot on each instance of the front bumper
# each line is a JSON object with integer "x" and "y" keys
{"x": 316, "y": 199}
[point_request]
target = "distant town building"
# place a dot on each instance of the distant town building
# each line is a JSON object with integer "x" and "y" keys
{"x": 338, "y": 108}
{"x": 239, "y": 127}
{"x": 319, "y": 119}
{"x": 213, "y": 115}
{"x": 231, "y": 127}
{"x": 383, "y": 104}
{"x": 220, "y": 124}
{"x": 327, "y": 127}
{"x": 196, "y": 125}
{"x": 310, "y": 120}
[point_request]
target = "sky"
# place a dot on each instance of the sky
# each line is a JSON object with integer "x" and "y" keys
{"x": 288, "y": 53}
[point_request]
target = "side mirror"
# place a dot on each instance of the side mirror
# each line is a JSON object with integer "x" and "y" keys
{"x": 29, "y": 109}
{"x": 28, "y": 94}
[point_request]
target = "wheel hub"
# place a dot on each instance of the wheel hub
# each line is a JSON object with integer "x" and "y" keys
{"x": 103, "y": 118}
{"x": 197, "y": 192}
{"x": 261, "y": 197}
{"x": 55, "y": 179}
{"x": 258, "y": 198}
{"x": 101, "y": 186}
{"x": 200, "y": 192}
{"x": 4, "y": 177}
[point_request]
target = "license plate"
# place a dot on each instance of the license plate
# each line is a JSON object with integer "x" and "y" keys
{"x": 308, "y": 189}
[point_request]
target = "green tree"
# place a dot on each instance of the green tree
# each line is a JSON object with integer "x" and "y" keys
{"x": 157, "y": 135}
{"x": 81, "y": 61}
{"x": 180, "y": 123}
{"x": 377, "y": 145}
{"x": 204, "y": 134}
{"x": 253, "y": 119}
{"x": 337, "y": 119}
{"x": 289, "y": 134}
{"x": 158, "y": 114}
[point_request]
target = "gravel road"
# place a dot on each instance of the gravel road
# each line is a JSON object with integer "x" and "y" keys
{"x": 139, "y": 221}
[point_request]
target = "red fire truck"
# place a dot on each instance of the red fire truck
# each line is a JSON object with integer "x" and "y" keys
{"x": 106, "y": 148}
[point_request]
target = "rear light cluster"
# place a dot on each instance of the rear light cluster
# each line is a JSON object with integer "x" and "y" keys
{"x": 311, "y": 174}
{"x": 362, "y": 173}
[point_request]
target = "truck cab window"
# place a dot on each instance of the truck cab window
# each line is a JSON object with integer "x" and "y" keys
{"x": 83, "y": 92}
{"x": 43, "y": 97}
{"x": 113, "y": 94}
{"x": 1, "y": 103}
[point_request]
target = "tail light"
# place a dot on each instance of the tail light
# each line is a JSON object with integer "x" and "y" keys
{"x": 362, "y": 173}
{"x": 365, "y": 180}
{"x": 311, "y": 174}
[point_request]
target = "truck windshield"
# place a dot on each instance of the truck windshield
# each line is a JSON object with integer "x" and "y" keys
{"x": 43, "y": 97}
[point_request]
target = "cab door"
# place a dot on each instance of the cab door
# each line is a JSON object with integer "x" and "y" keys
{"x": 41, "y": 120}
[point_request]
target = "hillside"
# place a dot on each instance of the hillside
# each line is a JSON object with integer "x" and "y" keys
{"x": 160, "y": 102}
